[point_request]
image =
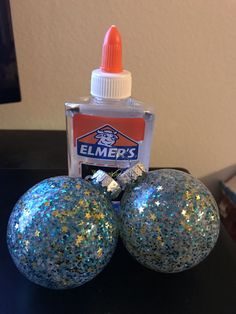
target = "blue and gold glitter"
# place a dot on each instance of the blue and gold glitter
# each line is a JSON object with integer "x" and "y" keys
{"x": 169, "y": 220}
{"x": 62, "y": 232}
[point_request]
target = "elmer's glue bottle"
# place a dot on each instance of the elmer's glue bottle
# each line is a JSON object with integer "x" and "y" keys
{"x": 108, "y": 130}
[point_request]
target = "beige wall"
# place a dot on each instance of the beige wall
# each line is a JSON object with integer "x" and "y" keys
{"x": 182, "y": 55}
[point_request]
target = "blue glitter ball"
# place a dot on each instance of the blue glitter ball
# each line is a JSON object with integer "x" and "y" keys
{"x": 169, "y": 220}
{"x": 62, "y": 232}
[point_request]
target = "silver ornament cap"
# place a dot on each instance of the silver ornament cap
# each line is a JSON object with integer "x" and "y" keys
{"x": 131, "y": 175}
{"x": 109, "y": 185}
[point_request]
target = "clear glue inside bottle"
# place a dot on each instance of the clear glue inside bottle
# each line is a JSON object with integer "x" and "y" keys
{"x": 108, "y": 130}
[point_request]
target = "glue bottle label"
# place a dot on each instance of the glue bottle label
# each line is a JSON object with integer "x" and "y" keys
{"x": 106, "y": 141}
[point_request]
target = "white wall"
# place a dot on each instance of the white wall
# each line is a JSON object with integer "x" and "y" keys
{"x": 182, "y": 55}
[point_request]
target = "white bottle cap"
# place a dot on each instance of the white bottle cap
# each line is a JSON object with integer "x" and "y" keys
{"x": 111, "y": 85}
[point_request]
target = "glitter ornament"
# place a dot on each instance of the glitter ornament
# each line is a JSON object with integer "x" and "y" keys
{"x": 169, "y": 220}
{"x": 62, "y": 232}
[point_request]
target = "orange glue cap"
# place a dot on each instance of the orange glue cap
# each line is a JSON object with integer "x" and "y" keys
{"x": 112, "y": 51}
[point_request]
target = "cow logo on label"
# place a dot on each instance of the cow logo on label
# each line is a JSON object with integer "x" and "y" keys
{"x": 106, "y": 137}
{"x": 107, "y": 143}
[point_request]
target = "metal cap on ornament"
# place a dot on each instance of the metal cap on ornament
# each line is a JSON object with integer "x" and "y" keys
{"x": 109, "y": 186}
{"x": 131, "y": 175}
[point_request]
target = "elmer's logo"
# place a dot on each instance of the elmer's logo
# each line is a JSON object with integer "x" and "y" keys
{"x": 107, "y": 143}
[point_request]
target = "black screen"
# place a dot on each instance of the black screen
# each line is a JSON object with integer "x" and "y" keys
{"x": 9, "y": 81}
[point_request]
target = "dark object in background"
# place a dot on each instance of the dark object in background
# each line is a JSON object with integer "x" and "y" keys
{"x": 228, "y": 206}
{"x": 9, "y": 82}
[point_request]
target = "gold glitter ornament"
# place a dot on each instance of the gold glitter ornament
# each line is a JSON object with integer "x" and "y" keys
{"x": 169, "y": 221}
{"x": 58, "y": 234}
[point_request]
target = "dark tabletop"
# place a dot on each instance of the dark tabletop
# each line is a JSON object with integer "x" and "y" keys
{"x": 124, "y": 286}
